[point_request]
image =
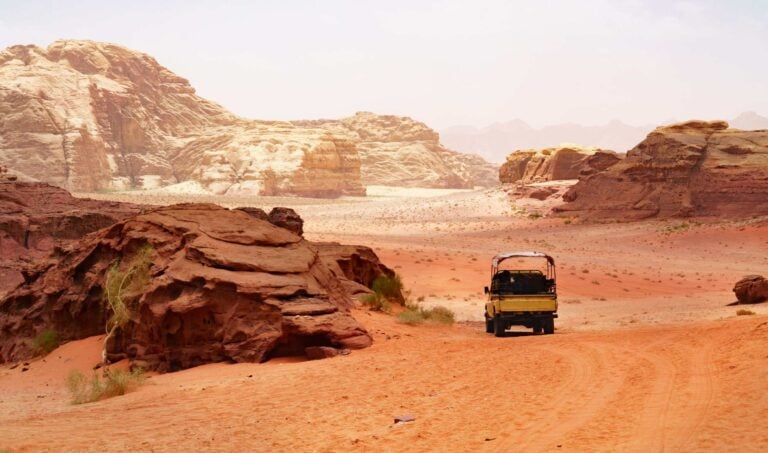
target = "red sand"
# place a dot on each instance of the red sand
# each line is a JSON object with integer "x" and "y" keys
{"x": 648, "y": 356}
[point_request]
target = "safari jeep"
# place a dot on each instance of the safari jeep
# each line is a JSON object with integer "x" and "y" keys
{"x": 522, "y": 293}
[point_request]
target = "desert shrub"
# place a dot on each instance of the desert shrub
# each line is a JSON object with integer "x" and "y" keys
{"x": 534, "y": 215}
{"x": 744, "y": 312}
{"x": 122, "y": 286}
{"x": 410, "y": 316}
{"x": 390, "y": 288}
{"x": 46, "y": 341}
{"x": 568, "y": 221}
{"x": 441, "y": 315}
{"x": 113, "y": 383}
{"x": 413, "y": 314}
{"x": 376, "y": 302}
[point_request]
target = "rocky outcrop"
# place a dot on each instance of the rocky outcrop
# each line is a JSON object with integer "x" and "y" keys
{"x": 36, "y": 217}
{"x": 751, "y": 289}
{"x": 357, "y": 266}
{"x": 222, "y": 285}
{"x": 400, "y": 151}
{"x": 287, "y": 218}
{"x": 551, "y": 164}
{"x": 91, "y": 116}
{"x": 695, "y": 168}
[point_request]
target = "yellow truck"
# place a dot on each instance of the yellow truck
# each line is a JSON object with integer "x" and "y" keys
{"x": 523, "y": 292}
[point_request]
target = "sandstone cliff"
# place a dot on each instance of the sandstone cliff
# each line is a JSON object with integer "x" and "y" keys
{"x": 549, "y": 164}
{"x": 91, "y": 116}
{"x": 400, "y": 151}
{"x": 693, "y": 168}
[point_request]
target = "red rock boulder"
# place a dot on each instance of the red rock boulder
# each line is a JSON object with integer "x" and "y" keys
{"x": 222, "y": 286}
{"x": 695, "y": 168}
{"x": 357, "y": 266}
{"x": 36, "y": 217}
{"x": 751, "y": 289}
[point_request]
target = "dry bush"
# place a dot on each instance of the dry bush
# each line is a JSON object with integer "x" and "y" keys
{"x": 389, "y": 288}
{"x": 744, "y": 312}
{"x": 376, "y": 302}
{"x": 113, "y": 383}
{"x": 413, "y": 314}
{"x": 123, "y": 286}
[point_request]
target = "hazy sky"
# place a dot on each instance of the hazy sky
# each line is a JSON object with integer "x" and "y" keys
{"x": 443, "y": 62}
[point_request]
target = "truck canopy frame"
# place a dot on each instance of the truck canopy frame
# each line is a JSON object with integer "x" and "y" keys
{"x": 501, "y": 257}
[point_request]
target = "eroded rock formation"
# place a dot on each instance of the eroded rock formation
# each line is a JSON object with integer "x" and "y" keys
{"x": 400, "y": 151}
{"x": 224, "y": 286}
{"x": 559, "y": 163}
{"x": 694, "y": 168}
{"x": 751, "y": 289}
{"x": 91, "y": 116}
{"x": 36, "y": 217}
{"x": 357, "y": 266}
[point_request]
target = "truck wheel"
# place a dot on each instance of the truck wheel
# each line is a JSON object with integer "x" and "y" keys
{"x": 488, "y": 325}
{"x": 498, "y": 326}
{"x": 537, "y": 328}
{"x": 549, "y": 326}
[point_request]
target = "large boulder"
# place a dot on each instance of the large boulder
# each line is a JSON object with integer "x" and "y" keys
{"x": 36, "y": 217}
{"x": 751, "y": 289}
{"x": 287, "y": 218}
{"x": 357, "y": 266}
{"x": 696, "y": 168}
{"x": 552, "y": 164}
{"x": 222, "y": 286}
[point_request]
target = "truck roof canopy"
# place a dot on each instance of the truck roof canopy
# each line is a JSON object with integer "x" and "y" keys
{"x": 506, "y": 255}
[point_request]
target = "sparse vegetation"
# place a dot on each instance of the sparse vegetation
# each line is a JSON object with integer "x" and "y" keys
{"x": 376, "y": 302}
{"x": 386, "y": 290}
{"x": 534, "y": 215}
{"x": 113, "y": 383}
{"x": 122, "y": 286}
{"x": 413, "y": 314}
{"x": 744, "y": 312}
{"x": 46, "y": 341}
{"x": 389, "y": 288}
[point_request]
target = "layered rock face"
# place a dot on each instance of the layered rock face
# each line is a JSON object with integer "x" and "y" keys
{"x": 400, "y": 151}
{"x": 551, "y": 164}
{"x": 222, "y": 285}
{"x": 694, "y": 168}
{"x": 91, "y": 116}
{"x": 357, "y": 266}
{"x": 36, "y": 217}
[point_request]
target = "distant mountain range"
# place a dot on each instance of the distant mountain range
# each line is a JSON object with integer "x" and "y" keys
{"x": 496, "y": 141}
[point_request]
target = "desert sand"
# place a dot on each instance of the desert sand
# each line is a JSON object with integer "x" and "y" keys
{"x": 648, "y": 355}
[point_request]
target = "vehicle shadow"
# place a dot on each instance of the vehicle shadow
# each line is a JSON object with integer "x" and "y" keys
{"x": 520, "y": 334}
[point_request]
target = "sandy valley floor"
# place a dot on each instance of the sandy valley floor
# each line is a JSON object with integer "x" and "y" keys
{"x": 648, "y": 356}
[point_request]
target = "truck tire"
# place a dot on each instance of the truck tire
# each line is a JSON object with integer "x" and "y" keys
{"x": 537, "y": 327}
{"x": 549, "y": 326}
{"x": 498, "y": 326}
{"x": 488, "y": 324}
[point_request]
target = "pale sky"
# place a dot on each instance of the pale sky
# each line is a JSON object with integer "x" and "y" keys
{"x": 442, "y": 62}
